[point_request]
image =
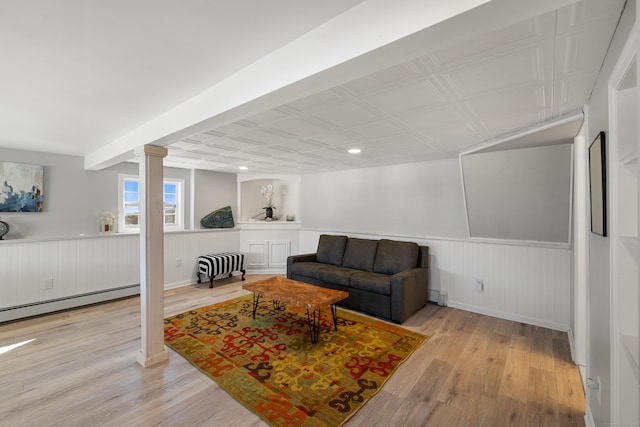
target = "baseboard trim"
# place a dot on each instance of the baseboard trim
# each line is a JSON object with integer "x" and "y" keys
{"x": 267, "y": 271}
{"x": 572, "y": 344}
{"x": 509, "y": 316}
{"x": 182, "y": 283}
{"x": 50, "y": 306}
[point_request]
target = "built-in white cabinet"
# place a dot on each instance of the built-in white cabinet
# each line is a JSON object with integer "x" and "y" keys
{"x": 264, "y": 256}
{"x": 267, "y": 245}
{"x": 256, "y": 254}
{"x": 625, "y": 248}
{"x": 279, "y": 251}
{"x": 626, "y": 264}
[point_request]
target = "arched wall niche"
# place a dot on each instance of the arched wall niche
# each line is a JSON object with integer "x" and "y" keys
{"x": 286, "y": 198}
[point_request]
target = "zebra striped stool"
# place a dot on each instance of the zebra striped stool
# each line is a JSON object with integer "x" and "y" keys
{"x": 217, "y": 264}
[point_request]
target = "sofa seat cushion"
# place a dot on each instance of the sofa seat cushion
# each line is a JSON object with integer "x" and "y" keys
{"x": 360, "y": 254}
{"x": 372, "y": 282}
{"x": 331, "y": 249}
{"x": 393, "y": 256}
{"x": 336, "y": 275}
{"x": 307, "y": 269}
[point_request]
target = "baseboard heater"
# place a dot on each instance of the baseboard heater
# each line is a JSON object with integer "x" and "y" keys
{"x": 439, "y": 297}
{"x": 50, "y": 306}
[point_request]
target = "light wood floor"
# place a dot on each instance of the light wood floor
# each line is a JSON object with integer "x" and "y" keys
{"x": 474, "y": 370}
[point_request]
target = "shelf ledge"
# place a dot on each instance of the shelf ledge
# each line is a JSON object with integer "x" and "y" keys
{"x": 630, "y": 240}
{"x": 629, "y": 158}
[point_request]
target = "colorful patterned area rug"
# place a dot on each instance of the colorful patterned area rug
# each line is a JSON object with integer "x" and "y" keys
{"x": 270, "y": 365}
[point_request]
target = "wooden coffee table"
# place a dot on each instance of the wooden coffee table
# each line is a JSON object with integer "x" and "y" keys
{"x": 286, "y": 291}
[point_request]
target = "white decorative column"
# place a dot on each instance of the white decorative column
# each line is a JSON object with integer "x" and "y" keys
{"x": 151, "y": 255}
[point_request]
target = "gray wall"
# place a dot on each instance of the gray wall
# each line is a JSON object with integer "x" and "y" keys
{"x": 599, "y": 315}
{"x": 521, "y": 194}
{"x": 417, "y": 199}
{"x": 214, "y": 190}
{"x": 75, "y": 198}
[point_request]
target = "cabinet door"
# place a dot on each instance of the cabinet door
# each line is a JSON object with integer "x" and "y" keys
{"x": 279, "y": 251}
{"x": 257, "y": 255}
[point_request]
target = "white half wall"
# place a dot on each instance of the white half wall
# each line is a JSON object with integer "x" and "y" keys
{"x": 182, "y": 249}
{"x": 76, "y": 267}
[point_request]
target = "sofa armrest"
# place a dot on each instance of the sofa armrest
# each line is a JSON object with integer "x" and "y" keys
{"x": 409, "y": 293}
{"x": 298, "y": 258}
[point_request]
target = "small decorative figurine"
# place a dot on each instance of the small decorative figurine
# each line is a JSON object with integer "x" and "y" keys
{"x": 107, "y": 223}
{"x": 221, "y": 218}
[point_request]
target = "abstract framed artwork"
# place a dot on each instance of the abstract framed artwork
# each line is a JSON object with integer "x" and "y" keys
{"x": 598, "y": 185}
{"x": 21, "y": 187}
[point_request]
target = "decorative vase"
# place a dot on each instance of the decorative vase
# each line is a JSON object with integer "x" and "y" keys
{"x": 268, "y": 212}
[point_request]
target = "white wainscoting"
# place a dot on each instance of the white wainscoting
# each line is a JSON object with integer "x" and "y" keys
{"x": 182, "y": 249}
{"x": 528, "y": 283}
{"x": 77, "y": 271}
{"x": 85, "y": 270}
{"x": 76, "y": 266}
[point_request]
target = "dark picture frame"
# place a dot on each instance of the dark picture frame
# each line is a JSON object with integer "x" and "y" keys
{"x": 598, "y": 185}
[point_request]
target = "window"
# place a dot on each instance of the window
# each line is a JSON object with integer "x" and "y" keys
{"x": 170, "y": 204}
{"x": 131, "y": 193}
{"x": 129, "y": 204}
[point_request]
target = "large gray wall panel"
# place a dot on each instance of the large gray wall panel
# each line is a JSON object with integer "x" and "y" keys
{"x": 522, "y": 194}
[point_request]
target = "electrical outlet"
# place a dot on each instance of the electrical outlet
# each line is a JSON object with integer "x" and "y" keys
{"x": 48, "y": 284}
{"x": 479, "y": 285}
{"x": 178, "y": 263}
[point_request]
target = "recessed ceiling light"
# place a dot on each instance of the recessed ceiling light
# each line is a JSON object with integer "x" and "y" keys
{"x": 243, "y": 168}
{"x": 355, "y": 151}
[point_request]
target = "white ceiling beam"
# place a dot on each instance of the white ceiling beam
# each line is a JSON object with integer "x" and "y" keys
{"x": 371, "y": 36}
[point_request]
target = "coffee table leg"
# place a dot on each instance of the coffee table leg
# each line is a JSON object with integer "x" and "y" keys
{"x": 256, "y": 301}
{"x": 277, "y": 305}
{"x": 314, "y": 326}
{"x": 334, "y": 314}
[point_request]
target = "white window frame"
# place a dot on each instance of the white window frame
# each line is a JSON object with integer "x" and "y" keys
{"x": 180, "y": 206}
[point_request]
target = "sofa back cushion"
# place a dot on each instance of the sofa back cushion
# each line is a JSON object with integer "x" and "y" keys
{"x": 393, "y": 257}
{"x": 360, "y": 254}
{"x": 331, "y": 249}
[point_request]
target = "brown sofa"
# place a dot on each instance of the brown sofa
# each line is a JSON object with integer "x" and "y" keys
{"x": 385, "y": 278}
